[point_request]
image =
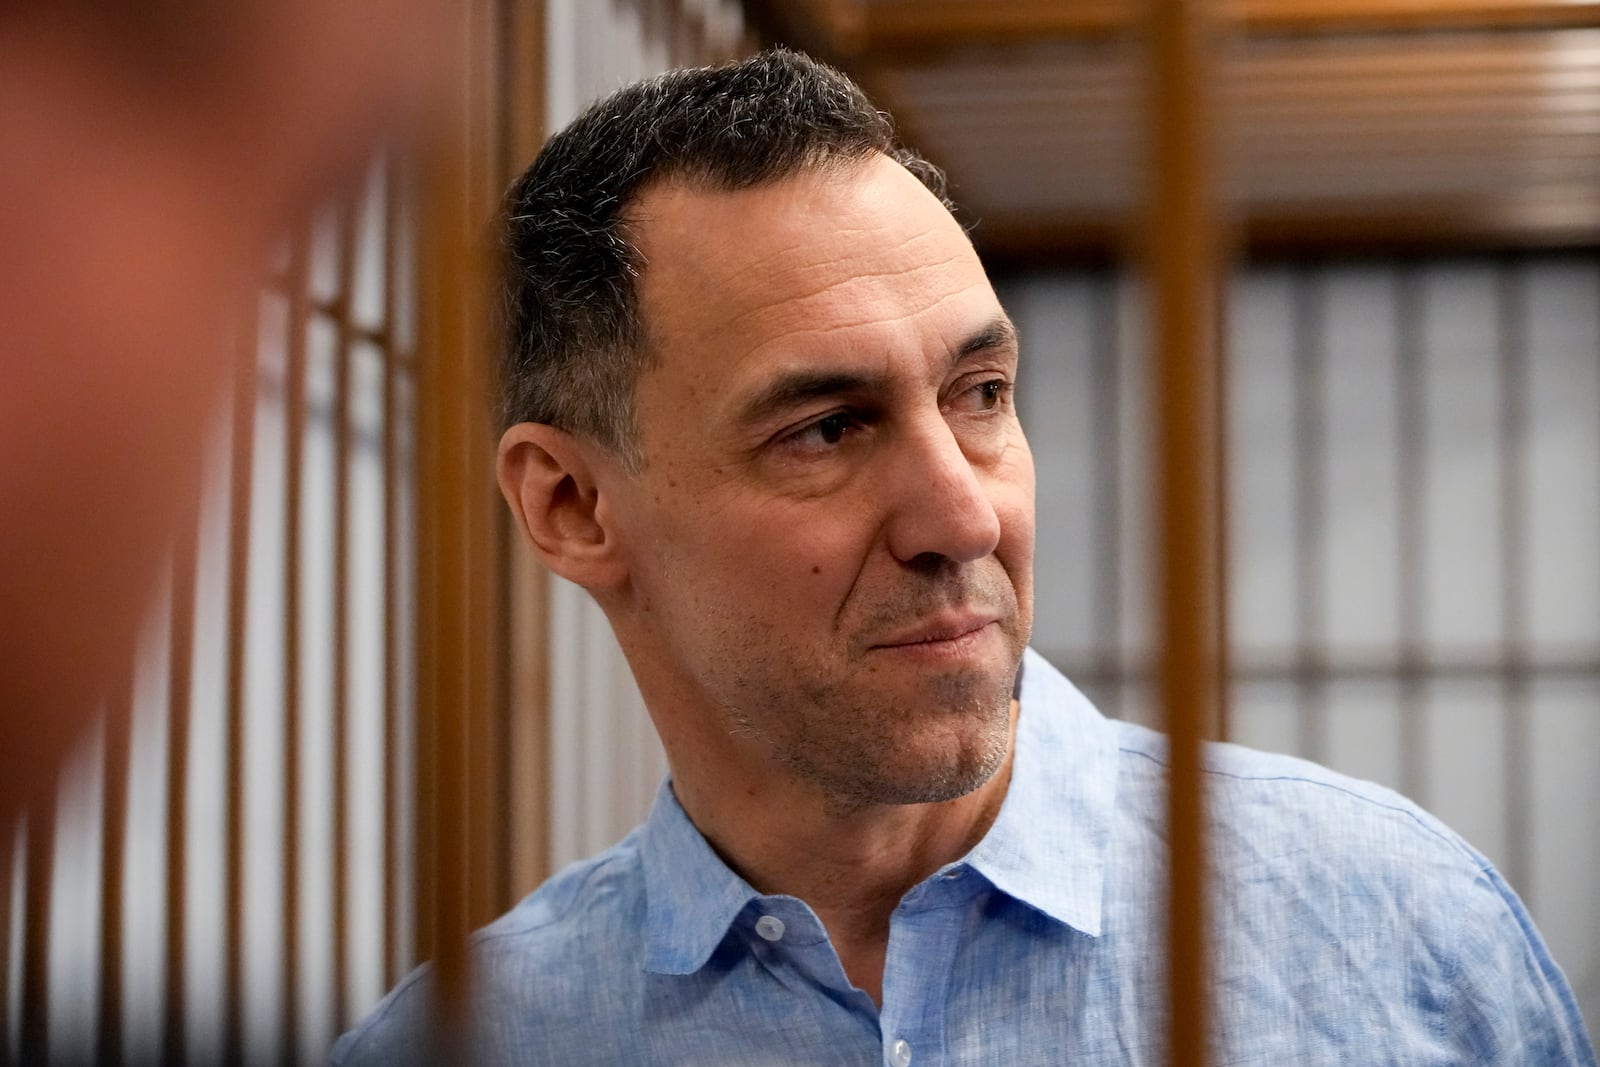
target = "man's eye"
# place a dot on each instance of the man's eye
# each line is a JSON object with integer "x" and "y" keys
{"x": 986, "y": 395}
{"x": 831, "y": 430}
{"x": 826, "y": 432}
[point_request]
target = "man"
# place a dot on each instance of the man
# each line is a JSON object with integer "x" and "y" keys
{"x": 760, "y": 404}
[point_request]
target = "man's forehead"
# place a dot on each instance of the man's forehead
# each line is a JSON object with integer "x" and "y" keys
{"x": 678, "y": 220}
{"x": 861, "y": 240}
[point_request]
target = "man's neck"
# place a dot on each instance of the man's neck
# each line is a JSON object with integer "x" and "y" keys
{"x": 850, "y": 866}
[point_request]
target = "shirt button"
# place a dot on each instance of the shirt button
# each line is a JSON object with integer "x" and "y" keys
{"x": 770, "y": 927}
{"x": 900, "y": 1053}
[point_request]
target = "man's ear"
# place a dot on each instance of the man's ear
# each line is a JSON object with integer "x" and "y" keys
{"x": 548, "y": 478}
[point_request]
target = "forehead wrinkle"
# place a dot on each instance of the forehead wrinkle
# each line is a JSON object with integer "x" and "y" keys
{"x": 790, "y": 336}
{"x": 794, "y": 303}
{"x": 759, "y": 285}
{"x": 803, "y": 235}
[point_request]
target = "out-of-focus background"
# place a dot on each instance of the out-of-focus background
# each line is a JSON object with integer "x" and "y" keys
{"x": 248, "y": 851}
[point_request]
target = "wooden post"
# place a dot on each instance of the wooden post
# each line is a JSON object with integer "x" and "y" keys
{"x": 1184, "y": 273}
{"x": 455, "y": 457}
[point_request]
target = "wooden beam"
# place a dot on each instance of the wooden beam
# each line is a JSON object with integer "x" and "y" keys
{"x": 831, "y": 30}
{"x": 892, "y": 26}
{"x": 1571, "y": 221}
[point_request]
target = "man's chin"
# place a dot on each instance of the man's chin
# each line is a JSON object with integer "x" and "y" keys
{"x": 940, "y": 762}
{"x": 928, "y": 785}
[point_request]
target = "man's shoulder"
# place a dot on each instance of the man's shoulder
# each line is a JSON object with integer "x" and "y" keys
{"x": 534, "y": 969}
{"x": 1265, "y": 798}
{"x": 570, "y": 931}
{"x": 1326, "y": 881}
{"x": 597, "y": 892}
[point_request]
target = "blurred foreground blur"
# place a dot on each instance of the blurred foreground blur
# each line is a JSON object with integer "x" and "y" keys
{"x": 153, "y": 151}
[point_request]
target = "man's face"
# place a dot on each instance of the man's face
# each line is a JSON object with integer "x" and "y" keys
{"x": 830, "y": 545}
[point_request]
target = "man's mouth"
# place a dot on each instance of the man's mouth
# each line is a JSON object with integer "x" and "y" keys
{"x": 950, "y": 629}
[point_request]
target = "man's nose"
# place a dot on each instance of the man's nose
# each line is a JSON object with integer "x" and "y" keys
{"x": 941, "y": 505}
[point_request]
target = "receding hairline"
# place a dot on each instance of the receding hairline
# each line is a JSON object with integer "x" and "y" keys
{"x": 836, "y": 165}
{"x": 634, "y": 222}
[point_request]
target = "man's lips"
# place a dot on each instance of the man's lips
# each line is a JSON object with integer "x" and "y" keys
{"x": 941, "y": 628}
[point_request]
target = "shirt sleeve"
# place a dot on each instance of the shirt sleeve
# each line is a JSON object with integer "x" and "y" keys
{"x": 1510, "y": 1003}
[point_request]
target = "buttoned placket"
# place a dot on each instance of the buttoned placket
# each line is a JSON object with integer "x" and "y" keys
{"x": 924, "y": 933}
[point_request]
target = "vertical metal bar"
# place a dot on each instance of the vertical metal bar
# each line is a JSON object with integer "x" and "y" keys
{"x": 502, "y": 736}
{"x": 341, "y": 605}
{"x": 1310, "y": 513}
{"x": 180, "y": 669}
{"x": 1106, "y": 364}
{"x": 519, "y": 591}
{"x": 442, "y": 659}
{"x": 1185, "y": 257}
{"x": 500, "y": 760}
{"x": 482, "y": 784}
{"x": 440, "y": 750}
{"x": 1516, "y": 751}
{"x": 113, "y": 837}
{"x": 484, "y": 745}
{"x": 448, "y": 443}
{"x": 527, "y": 703}
{"x": 36, "y": 930}
{"x": 391, "y": 964}
{"x": 240, "y": 490}
{"x": 1221, "y": 718}
{"x": 1411, "y": 484}
{"x": 428, "y": 700}
{"x": 294, "y": 402}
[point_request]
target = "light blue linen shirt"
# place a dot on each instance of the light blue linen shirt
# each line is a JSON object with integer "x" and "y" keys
{"x": 1349, "y": 927}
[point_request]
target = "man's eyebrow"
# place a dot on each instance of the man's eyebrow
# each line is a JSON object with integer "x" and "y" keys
{"x": 998, "y": 334}
{"x": 798, "y": 387}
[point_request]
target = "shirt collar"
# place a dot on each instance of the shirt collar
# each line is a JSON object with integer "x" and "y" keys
{"x": 691, "y": 896}
{"x": 1047, "y": 847}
